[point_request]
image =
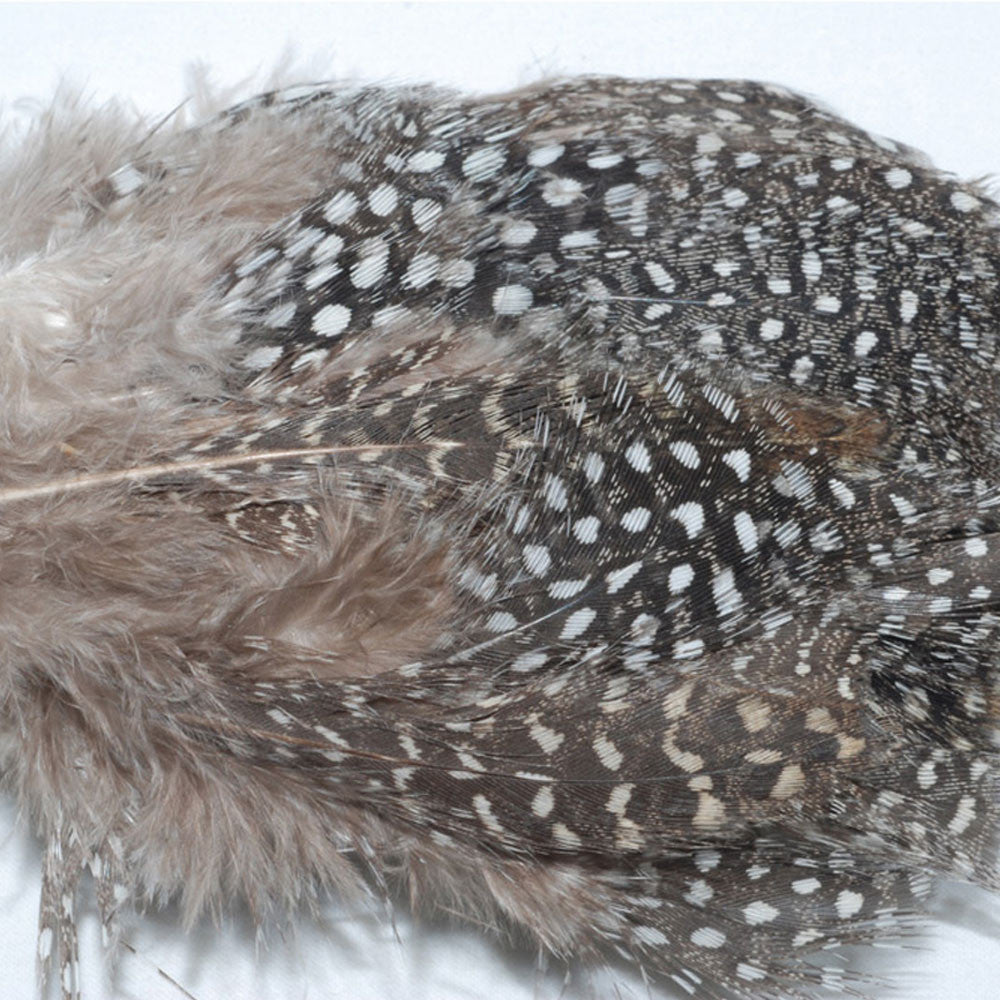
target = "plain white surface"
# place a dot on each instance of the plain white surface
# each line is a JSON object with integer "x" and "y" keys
{"x": 925, "y": 74}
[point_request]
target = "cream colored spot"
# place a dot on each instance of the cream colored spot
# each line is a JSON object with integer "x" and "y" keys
{"x": 548, "y": 739}
{"x": 760, "y": 912}
{"x": 706, "y": 861}
{"x": 383, "y": 200}
{"x": 607, "y": 753}
{"x": 284, "y": 719}
{"x": 469, "y": 762}
{"x": 579, "y": 239}
{"x": 341, "y": 207}
{"x": 261, "y": 357}
{"x": 425, "y": 161}
{"x": 562, "y": 191}
{"x": 637, "y": 455}
{"x": 649, "y": 936}
{"x": 543, "y": 802}
{"x": 849, "y": 903}
{"x": 680, "y": 578}
{"x": 537, "y": 559}
{"x": 675, "y": 702}
{"x": 710, "y": 813}
{"x": 577, "y": 623}
{"x": 964, "y": 815}
{"x": 562, "y": 589}
{"x": 686, "y": 649}
{"x": 619, "y": 578}
{"x": 898, "y": 177}
{"x": 699, "y": 892}
{"x": 518, "y": 232}
{"x": 544, "y": 155}
{"x": 593, "y": 467}
{"x": 819, "y": 720}
{"x": 964, "y": 202}
{"x": 565, "y": 837}
{"x": 709, "y": 142}
{"x": 691, "y": 515}
{"x": 684, "y": 759}
{"x": 636, "y": 519}
{"x": 45, "y": 943}
{"x": 976, "y": 547}
{"x": 844, "y": 496}
{"x": 926, "y": 774}
{"x": 423, "y": 269}
{"x": 746, "y": 531}
{"x": 618, "y": 799}
{"x": 771, "y": 329}
{"x": 425, "y": 212}
{"x": 456, "y": 273}
{"x": 369, "y": 270}
{"x": 755, "y": 713}
{"x": 484, "y": 810}
{"x": 629, "y": 836}
{"x": 483, "y": 163}
{"x": 739, "y": 462}
{"x": 685, "y": 453}
{"x": 850, "y": 746}
{"x": 331, "y": 320}
{"x": 501, "y": 621}
{"x": 708, "y": 937}
{"x": 511, "y": 300}
{"x": 790, "y": 782}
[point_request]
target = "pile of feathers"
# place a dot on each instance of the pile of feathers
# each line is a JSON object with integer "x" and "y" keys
{"x": 572, "y": 508}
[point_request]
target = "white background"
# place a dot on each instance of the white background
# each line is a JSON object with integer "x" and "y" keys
{"x": 926, "y": 74}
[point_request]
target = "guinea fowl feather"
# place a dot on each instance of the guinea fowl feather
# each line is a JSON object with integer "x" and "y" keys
{"x": 572, "y": 508}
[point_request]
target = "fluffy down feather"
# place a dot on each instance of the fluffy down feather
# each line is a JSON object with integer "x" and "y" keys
{"x": 574, "y": 508}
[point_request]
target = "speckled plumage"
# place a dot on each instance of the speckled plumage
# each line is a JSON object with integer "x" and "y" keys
{"x": 577, "y": 505}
